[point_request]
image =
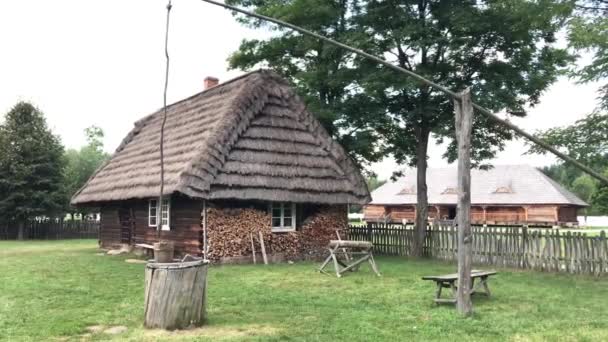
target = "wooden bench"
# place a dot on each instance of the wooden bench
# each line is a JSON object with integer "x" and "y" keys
{"x": 449, "y": 281}
{"x": 149, "y": 249}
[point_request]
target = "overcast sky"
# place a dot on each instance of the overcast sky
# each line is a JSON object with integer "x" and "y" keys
{"x": 101, "y": 63}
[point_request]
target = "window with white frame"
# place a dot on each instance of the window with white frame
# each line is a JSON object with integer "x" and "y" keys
{"x": 283, "y": 216}
{"x": 165, "y": 214}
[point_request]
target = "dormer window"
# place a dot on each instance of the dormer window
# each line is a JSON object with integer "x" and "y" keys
{"x": 407, "y": 191}
{"x": 503, "y": 190}
{"x": 450, "y": 191}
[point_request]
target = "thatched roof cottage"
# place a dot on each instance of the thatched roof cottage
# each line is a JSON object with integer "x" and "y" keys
{"x": 240, "y": 157}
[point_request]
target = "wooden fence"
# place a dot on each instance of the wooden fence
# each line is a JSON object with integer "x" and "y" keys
{"x": 51, "y": 229}
{"x": 512, "y": 246}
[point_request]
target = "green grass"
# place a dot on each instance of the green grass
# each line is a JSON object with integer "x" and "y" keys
{"x": 55, "y": 290}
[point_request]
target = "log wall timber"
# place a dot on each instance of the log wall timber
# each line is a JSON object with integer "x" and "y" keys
{"x": 400, "y": 213}
{"x": 185, "y": 224}
{"x": 548, "y": 214}
{"x": 109, "y": 226}
{"x": 374, "y": 213}
{"x": 230, "y": 223}
{"x": 567, "y": 214}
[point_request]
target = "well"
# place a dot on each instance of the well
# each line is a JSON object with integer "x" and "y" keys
{"x": 175, "y": 296}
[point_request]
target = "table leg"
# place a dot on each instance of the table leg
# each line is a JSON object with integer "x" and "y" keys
{"x": 484, "y": 281}
{"x": 439, "y": 288}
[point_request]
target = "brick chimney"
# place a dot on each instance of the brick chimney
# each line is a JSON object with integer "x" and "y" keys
{"x": 210, "y": 82}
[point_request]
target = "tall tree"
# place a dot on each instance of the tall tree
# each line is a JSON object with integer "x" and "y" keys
{"x": 31, "y": 166}
{"x": 503, "y": 50}
{"x": 82, "y": 163}
{"x": 588, "y": 31}
{"x": 323, "y": 75}
{"x": 586, "y": 140}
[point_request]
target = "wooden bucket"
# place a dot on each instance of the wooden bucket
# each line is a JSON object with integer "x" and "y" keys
{"x": 163, "y": 251}
{"x": 175, "y": 296}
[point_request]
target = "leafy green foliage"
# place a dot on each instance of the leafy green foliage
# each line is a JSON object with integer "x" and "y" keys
{"x": 588, "y": 31}
{"x": 374, "y": 183}
{"x": 584, "y": 186}
{"x": 31, "y": 164}
{"x": 323, "y": 75}
{"x": 586, "y": 140}
{"x": 82, "y": 163}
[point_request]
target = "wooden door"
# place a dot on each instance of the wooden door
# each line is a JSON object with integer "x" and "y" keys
{"x": 127, "y": 222}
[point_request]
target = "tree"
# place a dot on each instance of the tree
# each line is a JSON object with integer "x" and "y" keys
{"x": 588, "y": 31}
{"x": 31, "y": 166}
{"x": 323, "y": 75}
{"x": 503, "y": 50}
{"x": 586, "y": 140}
{"x": 81, "y": 164}
{"x": 374, "y": 183}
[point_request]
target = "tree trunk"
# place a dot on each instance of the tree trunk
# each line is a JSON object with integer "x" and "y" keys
{"x": 20, "y": 233}
{"x": 422, "y": 204}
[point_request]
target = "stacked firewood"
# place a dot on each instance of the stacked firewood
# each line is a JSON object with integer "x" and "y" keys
{"x": 230, "y": 232}
{"x": 318, "y": 229}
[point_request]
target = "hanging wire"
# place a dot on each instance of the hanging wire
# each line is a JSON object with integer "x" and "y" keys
{"x": 159, "y": 213}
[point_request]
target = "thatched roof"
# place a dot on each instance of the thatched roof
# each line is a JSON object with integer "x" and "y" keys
{"x": 500, "y": 185}
{"x": 248, "y": 138}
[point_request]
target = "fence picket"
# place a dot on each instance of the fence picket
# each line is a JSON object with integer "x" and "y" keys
{"x": 510, "y": 246}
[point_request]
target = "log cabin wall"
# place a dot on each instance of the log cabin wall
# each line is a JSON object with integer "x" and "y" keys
{"x": 374, "y": 213}
{"x": 543, "y": 213}
{"x": 568, "y": 214}
{"x": 185, "y": 224}
{"x": 109, "y": 227}
{"x": 500, "y": 214}
{"x": 477, "y": 214}
{"x": 230, "y": 223}
{"x": 497, "y": 214}
{"x": 400, "y": 213}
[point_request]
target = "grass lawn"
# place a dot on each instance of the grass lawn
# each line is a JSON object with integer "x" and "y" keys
{"x": 55, "y": 290}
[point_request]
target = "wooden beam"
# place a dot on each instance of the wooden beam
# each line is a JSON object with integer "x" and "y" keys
{"x": 464, "y": 123}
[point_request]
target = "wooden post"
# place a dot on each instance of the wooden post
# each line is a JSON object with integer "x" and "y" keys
{"x": 263, "y": 248}
{"x": 464, "y": 123}
{"x": 252, "y": 248}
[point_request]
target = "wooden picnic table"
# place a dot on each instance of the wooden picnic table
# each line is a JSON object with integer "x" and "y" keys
{"x": 449, "y": 281}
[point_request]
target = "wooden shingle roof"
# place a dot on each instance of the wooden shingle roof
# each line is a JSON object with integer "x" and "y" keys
{"x": 500, "y": 185}
{"x": 248, "y": 138}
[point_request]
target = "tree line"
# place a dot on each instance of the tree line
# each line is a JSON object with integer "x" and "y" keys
{"x": 38, "y": 175}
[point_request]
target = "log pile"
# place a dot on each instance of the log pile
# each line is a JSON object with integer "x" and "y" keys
{"x": 229, "y": 232}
